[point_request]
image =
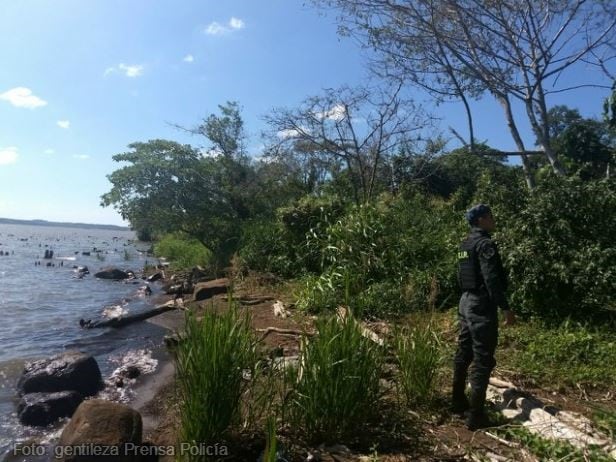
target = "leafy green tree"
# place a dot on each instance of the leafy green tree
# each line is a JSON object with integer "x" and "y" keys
{"x": 168, "y": 187}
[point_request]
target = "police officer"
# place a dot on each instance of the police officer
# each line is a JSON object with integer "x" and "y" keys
{"x": 483, "y": 282}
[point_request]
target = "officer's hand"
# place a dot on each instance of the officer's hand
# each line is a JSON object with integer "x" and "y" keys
{"x": 509, "y": 318}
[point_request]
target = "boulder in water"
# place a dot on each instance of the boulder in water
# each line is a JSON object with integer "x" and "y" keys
{"x": 103, "y": 423}
{"x": 112, "y": 273}
{"x": 41, "y": 409}
{"x": 68, "y": 371}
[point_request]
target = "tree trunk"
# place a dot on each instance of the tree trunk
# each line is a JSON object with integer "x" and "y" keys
{"x": 503, "y": 99}
{"x": 542, "y": 130}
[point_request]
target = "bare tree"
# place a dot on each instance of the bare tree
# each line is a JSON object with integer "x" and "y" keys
{"x": 513, "y": 49}
{"x": 355, "y": 130}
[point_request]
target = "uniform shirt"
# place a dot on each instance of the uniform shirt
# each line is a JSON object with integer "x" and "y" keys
{"x": 491, "y": 266}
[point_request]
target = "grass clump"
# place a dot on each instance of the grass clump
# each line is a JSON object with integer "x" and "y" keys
{"x": 567, "y": 354}
{"x": 336, "y": 387}
{"x": 212, "y": 365}
{"x": 418, "y": 358}
{"x": 182, "y": 251}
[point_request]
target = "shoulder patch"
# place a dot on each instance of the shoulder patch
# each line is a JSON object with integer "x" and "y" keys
{"x": 488, "y": 251}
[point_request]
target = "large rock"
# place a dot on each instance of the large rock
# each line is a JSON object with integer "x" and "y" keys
{"x": 205, "y": 290}
{"x": 67, "y": 371}
{"x": 99, "y": 423}
{"x": 41, "y": 409}
{"x": 112, "y": 273}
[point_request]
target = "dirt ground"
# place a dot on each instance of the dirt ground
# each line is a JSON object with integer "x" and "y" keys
{"x": 399, "y": 435}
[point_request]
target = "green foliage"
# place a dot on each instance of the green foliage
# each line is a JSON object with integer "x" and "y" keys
{"x": 285, "y": 246}
{"x": 336, "y": 387}
{"x": 212, "y": 363}
{"x": 183, "y": 251}
{"x": 456, "y": 173}
{"x": 418, "y": 356}
{"x": 389, "y": 257}
{"x": 550, "y": 450}
{"x": 559, "y": 248}
{"x": 605, "y": 419}
{"x": 320, "y": 292}
{"x": 568, "y": 354}
{"x": 262, "y": 248}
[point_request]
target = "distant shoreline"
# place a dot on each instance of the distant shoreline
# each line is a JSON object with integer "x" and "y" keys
{"x": 11, "y": 221}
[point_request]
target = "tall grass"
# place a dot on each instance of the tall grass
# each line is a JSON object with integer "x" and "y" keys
{"x": 418, "y": 357}
{"x": 211, "y": 372}
{"x": 337, "y": 384}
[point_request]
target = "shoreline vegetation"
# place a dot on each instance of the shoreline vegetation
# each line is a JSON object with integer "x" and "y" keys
{"x": 298, "y": 377}
{"x": 336, "y": 244}
{"x": 335, "y": 339}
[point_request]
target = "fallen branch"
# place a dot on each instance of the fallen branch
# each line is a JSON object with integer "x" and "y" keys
{"x": 502, "y": 441}
{"x": 126, "y": 320}
{"x": 278, "y": 330}
{"x": 250, "y": 300}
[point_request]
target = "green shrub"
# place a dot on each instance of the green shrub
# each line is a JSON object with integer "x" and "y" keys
{"x": 559, "y": 248}
{"x": 212, "y": 361}
{"x": 399, "y": 253}
{"x": 263, "y": 247}
{"x": 337, "y": 385}
{"x": 182, "y": 251}
{"x": 418, "y": 357}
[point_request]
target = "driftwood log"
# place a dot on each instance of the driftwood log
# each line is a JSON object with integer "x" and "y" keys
{"x": 126, "y": 320}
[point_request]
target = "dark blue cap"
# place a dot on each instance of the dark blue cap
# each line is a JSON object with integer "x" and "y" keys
{"x": 477, "y": 211}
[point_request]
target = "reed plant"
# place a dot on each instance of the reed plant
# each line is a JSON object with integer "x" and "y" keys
{"x": 215, "y": 366}
{"x": 336, "y": 386}
{"x": 418, "y": 357}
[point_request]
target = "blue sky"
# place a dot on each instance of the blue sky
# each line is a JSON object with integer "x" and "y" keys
{"x": 79, "y": 80}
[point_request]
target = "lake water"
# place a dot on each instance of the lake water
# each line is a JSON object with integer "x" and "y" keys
{"x": 40, "y": 308}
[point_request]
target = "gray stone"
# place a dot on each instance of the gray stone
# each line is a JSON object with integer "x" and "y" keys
{"x": 41, "y": 409}
{"x": 67, "y": 371}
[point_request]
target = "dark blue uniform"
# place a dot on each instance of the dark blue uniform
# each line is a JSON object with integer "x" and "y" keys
{"x": 483, "y": 281}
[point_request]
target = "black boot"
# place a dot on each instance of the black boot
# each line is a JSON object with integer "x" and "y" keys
{"x": 477, "y": 417}
{"x": 459, "y": 402}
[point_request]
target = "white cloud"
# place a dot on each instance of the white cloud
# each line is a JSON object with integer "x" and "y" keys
{"x": 49, "y": 151}
{"x": 64, "y": 124}
{"x": 8, "y": 155}
{"x": 131, "y": 71}
{"x": 215, "y": 28}
{"x": 22, "y": 97}
{"x": 188, "y": 59}
{"x": 81, "y": 156}
{"x": 236, "y": 23}
{"x": 134, "y": 70}
{"x": 337, "y": 113}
